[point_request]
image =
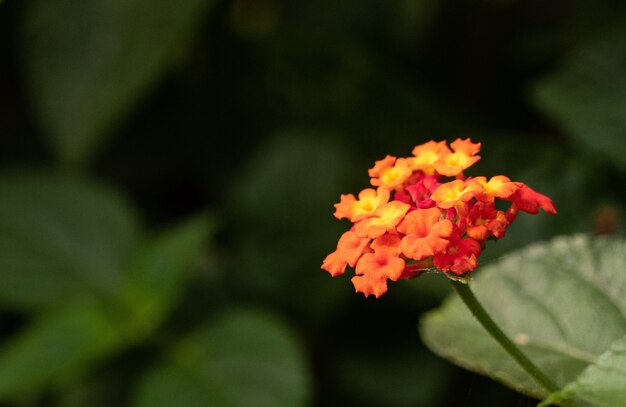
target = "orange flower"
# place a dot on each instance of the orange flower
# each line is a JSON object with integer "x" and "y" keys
{"x": 426, "y": 233}
{"x": 384, "y": 219}
{"x": 374, "y": 269}
{"x": 417, "y": 217}
{"x": 393, "y": 177}
{"x": 463, "y": 157}
{"x": 388, "y": 243}
{"x": 381, "y": 165}
{"x": 427, "y": 154}
{"x": 349, "y": 250}
{"x": 455, "y": 193}
{"x": 355, "y": 210}
{"x": 497, "y": 187}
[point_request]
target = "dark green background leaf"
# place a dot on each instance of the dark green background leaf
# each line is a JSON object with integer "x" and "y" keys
{"x": 391, "y": 376}
{"x": 562, "y": 301}
{"x": 587, "y": 96}
{"x": 158, "y": 271}
{"x": 58, "y": 347}
{"x": 89, "y": 61}
{"x": 243, "y": 358}
{"x": 283, "y": 206}
{"x": 61, "y": 239}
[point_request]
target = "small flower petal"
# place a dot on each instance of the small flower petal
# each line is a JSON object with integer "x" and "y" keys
{"x": 381, "y": 165}
{"x": 497, "y": 187}
{"x": 427, "y": 154}
{"x": 528, "y": 200}
{"x": 455, "y": 193}
{"x": 349, "y": 249}
{"x": 463, "y": 157}
{"x": 387, "y": 243}
{"x": 393, "y": 177}
{"x": 355, "y": 210}
{"x": 426, "y": 233}
{"x": 460, "y": 258}
{"x": 374, "y": 269}
{"x": 384, "y": 219}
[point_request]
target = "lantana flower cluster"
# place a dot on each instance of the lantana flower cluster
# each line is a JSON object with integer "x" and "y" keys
{"x": 423, "y": 213}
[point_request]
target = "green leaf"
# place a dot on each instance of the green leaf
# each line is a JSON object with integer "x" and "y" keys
{"x": 563, "y": 302}
{"x": 61, "y": 239}
{"x": 603, "y": 383}
{"x": 244, "y": 358}
{"x": 398, "y": 375}
{"x": 283, "y": 206}
{"x": 84, "y": 76}
{"x": 158, "y": 271}
{"x": 58, "y": 347}
{"x": 587, "y": 96}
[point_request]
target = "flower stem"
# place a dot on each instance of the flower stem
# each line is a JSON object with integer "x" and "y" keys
{"x": 494, "y": 330}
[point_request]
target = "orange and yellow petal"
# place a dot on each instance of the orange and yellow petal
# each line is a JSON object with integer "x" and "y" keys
{"x": 355, "y": 210}
{"x": 466, "y": 147}
{"x": 455, "y": 193}
{"x": 463, "y": 157}
{"x": 427, "y": 154}
{"x": 497, "y": 187}
{"x": 381, "y": 165}
{"x": 384, "y": 219}
{"x": 393, "y": 177}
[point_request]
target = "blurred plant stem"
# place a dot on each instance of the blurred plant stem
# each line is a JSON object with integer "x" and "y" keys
{"x": 494, "y": 330}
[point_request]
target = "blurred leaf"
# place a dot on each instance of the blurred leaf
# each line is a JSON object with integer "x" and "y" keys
{"x": 88, "y": 62}
{"x": 61, "y": 239}
{"x": 588, "y": 97}
{"x": 283, "y": 206}
{"x": 158, "y": 272}
{"x": 397, "y": 376}
{"x": 603, "y": 383}
{"x": 244, "y": 358}
{"x": 563, "y": 302}
{"x": 411, "y": 19}
{"x": 58, "y": 347}
{"x": 292, "y": 178}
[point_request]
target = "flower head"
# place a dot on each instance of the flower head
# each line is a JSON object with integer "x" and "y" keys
{"x": 417, "y": 219}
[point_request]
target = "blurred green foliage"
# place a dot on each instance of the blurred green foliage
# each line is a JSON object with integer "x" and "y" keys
{"x": 168, "y": 169}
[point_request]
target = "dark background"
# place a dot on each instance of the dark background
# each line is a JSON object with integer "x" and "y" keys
{"x": 260, "y": 113}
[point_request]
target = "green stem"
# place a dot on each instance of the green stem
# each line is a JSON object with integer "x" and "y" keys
{"x": 494, "y": 330}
